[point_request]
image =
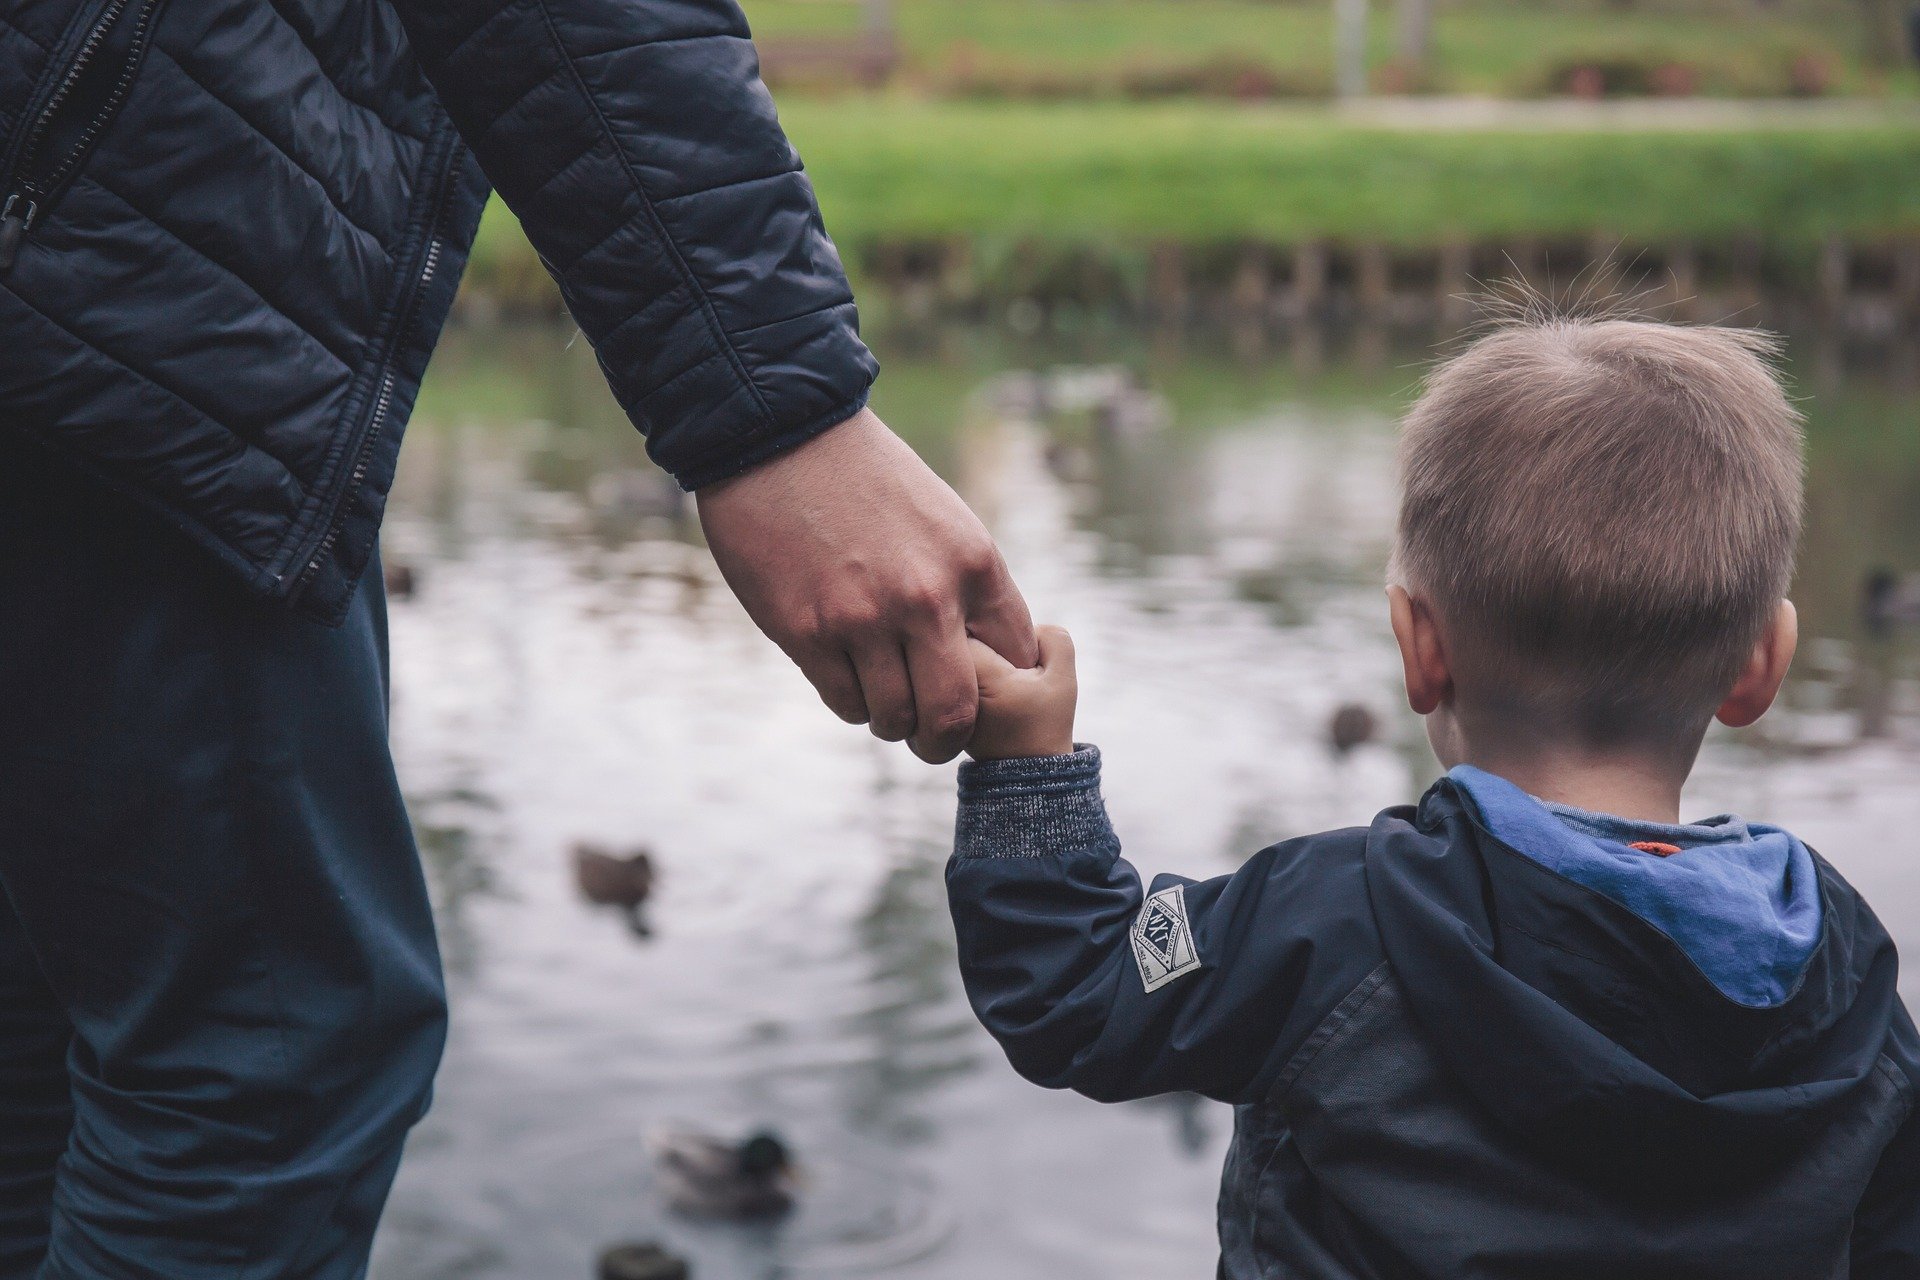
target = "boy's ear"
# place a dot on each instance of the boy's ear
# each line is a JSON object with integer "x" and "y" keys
{"x": 1759, "y": 681}
{"x": 1423, "y": 653}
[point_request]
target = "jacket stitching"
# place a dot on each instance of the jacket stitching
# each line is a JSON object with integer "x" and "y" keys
{"x": 446, "y": 60}
{"x": 327, "y": 75}
{"x": 518, "y": 101}
{"x": 1253, "y": 1218}
{"x": 587, "y": 152}
{"x": 822, "y": 309}
{"x": 23, "y": 33}
{"x": 346, "y": 363}
{"x": 728, "y": 186}
{"x": 714, "y": 465}
{"x": 1343, "y": 1016}
{"x": 610, "y": 336}
{"x": 147, "y": 378}
{"x": 288, "y": 156}
{"x": 630, "y": 45}
{"x": 1553, "y": 943}
{"x": 624, "y": 224}
{"x": 693, "y": 368}
{"x": 716, "y": 330}
{"x": 1902, "y": 1085}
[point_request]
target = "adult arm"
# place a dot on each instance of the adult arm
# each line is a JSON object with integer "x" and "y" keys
{"x": 641, "y": 152}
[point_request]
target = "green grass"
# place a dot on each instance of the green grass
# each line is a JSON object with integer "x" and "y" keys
{"x": 1199, "y": 173}
{"x": 1480, "y": 46}
{"x": 1114, "y": 179}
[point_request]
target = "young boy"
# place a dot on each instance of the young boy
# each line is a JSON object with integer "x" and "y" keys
{"x": 1533, "y": 1028}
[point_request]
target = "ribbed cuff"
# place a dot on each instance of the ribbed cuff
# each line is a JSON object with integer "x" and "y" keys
{"x": 1033, "y": 808}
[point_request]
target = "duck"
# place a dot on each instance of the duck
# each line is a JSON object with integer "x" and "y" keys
{"x": 646, "y": 1261}
{"x": 1352, "y": 726}
{"x": 615, "y": 880}
{"x": 1889, "y": 600}
{"x": 710, "y": 1177}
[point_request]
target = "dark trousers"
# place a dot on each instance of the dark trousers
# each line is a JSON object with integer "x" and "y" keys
{"x": 220, "y": 998}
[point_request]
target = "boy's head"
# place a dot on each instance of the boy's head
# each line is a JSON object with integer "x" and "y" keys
{"x": 1597, "y": 529}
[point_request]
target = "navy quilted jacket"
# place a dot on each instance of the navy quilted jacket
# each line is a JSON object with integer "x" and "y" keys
{"x": 232, "y": 230}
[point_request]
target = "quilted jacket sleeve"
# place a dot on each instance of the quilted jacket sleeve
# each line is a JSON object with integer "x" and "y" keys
{"x": 642, "y": 153}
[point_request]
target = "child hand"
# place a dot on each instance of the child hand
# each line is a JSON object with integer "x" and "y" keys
{"x": 1025, "y": 713}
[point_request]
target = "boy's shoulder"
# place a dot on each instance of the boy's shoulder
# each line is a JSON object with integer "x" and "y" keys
{"x": 1321, "y": 874}
{"x": 1322, "y": 870}
{"x": 1301, "y": 905}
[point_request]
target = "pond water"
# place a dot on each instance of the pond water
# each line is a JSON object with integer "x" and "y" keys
{"x": 1211, "y": 520}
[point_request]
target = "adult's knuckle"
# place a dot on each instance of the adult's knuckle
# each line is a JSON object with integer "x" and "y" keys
{"x": 922, "y": 600}
{"x": 891, "y": 726}
{"x": 810, "y": 630}
{"x": 953, "y": 718}
{"x": 846, "y": 616}
{"x": 979, "y": 559}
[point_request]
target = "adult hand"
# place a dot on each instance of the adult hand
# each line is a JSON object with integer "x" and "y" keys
{"x": 871, "y": 574}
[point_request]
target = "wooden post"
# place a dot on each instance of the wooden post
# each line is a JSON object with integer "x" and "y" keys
{"x": 1374, "y": 280}
{"x": 1247, "y": 292}
{"x": 959, "y": 286}
{"x": 1454, "y": 281}
{"x": 1744, "y": 294}
{"x": 1683, "y": 278}
{"x": 1167, "y": 282}
{"x": 1906, "y": 277}
{"x": 1309, "y": 284}
{"x": 1836, "y": 275}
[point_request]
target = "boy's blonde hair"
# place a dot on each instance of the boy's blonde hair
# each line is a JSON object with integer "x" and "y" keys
{"x": 1606, "y": 512}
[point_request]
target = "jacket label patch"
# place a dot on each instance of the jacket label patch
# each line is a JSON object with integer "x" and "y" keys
{"x": 1162, "y": 941}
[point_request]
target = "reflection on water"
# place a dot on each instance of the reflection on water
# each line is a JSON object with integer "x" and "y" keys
{"x": 1212, "y": 524}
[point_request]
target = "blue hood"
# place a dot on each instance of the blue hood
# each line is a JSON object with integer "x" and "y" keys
{"x": 1741, "y": 900}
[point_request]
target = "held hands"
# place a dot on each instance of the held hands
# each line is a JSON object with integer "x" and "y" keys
{"x": 1025, "y": 713}
{"x": 871, "y": 574}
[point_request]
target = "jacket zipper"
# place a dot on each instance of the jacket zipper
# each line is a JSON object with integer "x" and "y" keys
{"x": 32, "y": 191}
{"x": 382, "y": 406}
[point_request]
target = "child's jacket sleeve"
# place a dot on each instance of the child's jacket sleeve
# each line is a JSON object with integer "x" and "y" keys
{"x": 1091, "y": 983}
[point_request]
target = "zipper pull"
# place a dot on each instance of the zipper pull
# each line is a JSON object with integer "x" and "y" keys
{"x": 13, "y": 229}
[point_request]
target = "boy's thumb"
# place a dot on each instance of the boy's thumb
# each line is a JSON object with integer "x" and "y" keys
{"x": 986, "y": 659}
{"x": 1056, "y": 649}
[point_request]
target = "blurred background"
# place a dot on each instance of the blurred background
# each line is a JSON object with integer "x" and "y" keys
{"x": 1150, "y": 281}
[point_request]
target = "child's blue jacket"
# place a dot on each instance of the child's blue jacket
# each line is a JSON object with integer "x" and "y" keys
{"x": 1448, "y": 1060}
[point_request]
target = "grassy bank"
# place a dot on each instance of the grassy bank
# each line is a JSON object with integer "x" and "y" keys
{"x": 1199, "y": 173}
{"x": 1479, "y": 46}
{"x": 1116, "y": 178}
